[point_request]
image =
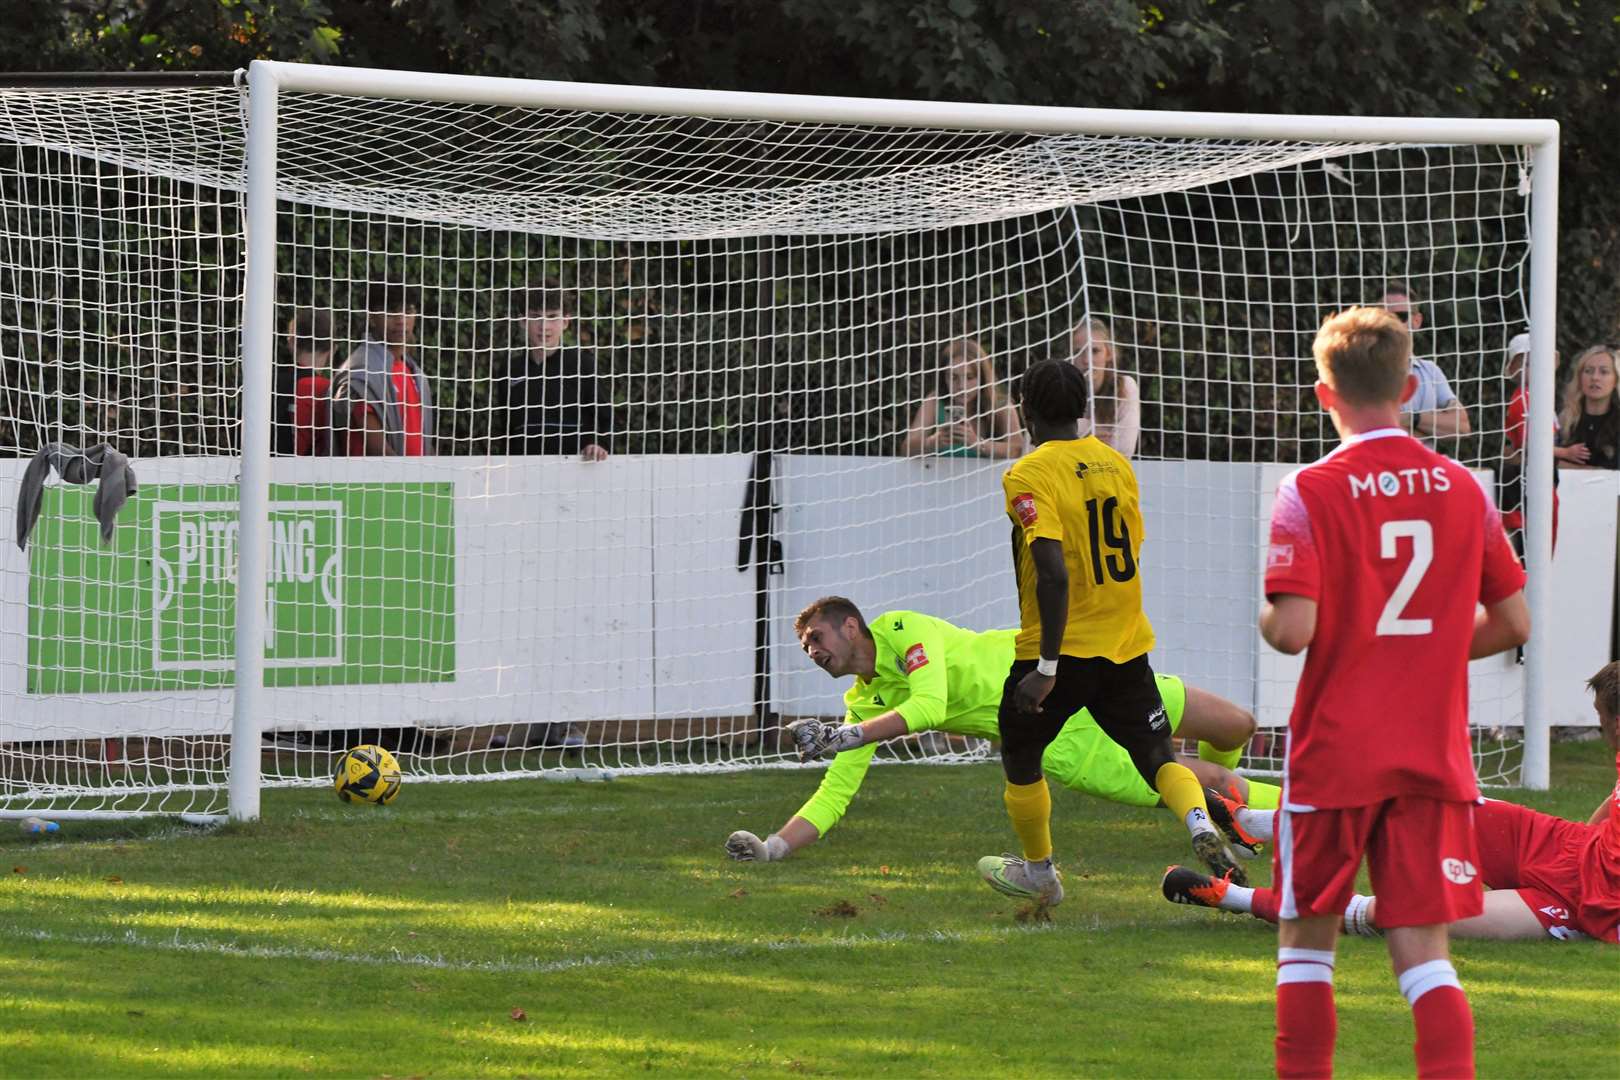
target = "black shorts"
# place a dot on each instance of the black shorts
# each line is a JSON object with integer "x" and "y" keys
{"x": 1123, "y": 699}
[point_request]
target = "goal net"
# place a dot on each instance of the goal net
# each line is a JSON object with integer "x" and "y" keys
{"x": 794, "y": 342}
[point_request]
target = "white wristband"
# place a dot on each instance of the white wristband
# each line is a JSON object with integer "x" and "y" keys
{"x": 776, "y": 848}
{"x": 1046, "y": 667}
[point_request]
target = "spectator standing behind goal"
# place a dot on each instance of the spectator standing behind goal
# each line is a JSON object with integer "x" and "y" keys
{"x": 303, "y": 388}
{"x": 964, "y": 414}
{"x": 1589, "y": 422}
{"x": 1433, "y": 410}
{"x": 382, "y": 404}
{"x": 1380, "y": 554}
{"x": 1511, "y": 489}
{"x": 1116, "y": 400}
{"x": 550, "y": 399}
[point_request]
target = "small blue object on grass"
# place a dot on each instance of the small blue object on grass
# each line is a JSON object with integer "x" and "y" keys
{"x": 34, "y": 826}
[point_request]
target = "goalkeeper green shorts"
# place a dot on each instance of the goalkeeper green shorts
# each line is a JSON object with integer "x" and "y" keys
{"x": 1086, "y": 760}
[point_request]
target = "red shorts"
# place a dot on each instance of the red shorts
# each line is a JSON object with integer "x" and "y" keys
{"x": 1420, "y": 852}
{"x": 1519, "y": 848}
{"x": 1554, "y": 914}
{"x": 1542, "y": 857}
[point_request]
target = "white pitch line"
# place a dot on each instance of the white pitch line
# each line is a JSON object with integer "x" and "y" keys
{"x": 535, "y": 966}
{"x": 358, "y": 815}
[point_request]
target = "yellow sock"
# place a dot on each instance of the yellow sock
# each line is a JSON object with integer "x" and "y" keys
{"x": 1226, "y": 758}
{"x": 1180, "y": 789}
{"x": 1030, "y": 808}
{"x": 1264, "y": 796}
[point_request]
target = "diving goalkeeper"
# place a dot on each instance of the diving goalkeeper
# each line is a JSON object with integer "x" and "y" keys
{"x": 916, "y": 673}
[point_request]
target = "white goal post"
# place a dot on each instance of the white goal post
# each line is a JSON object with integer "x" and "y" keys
{"x": 768, "y": 284}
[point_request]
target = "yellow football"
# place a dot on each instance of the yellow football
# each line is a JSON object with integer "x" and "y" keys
{"x": 367, "y": 774}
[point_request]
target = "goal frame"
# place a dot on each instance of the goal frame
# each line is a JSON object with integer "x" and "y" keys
{"x": 266, "y": 79}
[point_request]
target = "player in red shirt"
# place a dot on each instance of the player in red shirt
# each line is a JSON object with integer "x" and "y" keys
{"x": 1567, "y": 875}
{"x": 1548, "y": 877}
{"x": 1380, "y": 554}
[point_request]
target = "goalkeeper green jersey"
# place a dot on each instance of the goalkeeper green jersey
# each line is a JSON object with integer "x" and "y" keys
{"x": 940, "y": 677}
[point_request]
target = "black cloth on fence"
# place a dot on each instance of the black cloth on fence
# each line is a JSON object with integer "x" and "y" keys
{"x": 558, "y": 404}
{"x": 75, "y": 466}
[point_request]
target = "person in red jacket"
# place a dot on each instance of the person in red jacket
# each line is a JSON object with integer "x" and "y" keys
{"x": 1511, "y": 498}
{"x": 303, "y": 388}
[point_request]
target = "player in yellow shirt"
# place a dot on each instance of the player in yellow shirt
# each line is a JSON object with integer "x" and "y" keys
{"x": 1084, "y": 641}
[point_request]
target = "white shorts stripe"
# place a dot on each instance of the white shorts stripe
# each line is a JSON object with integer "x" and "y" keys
{"x": 1286, "y": 908}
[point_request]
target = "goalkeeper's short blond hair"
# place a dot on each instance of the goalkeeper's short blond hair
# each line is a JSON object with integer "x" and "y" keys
{"x": 834, "y": 609}
{"x": 1365, "y": 355}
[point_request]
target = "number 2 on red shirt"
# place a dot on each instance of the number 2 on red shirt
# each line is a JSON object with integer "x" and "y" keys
{"x": 1421, "y": 534}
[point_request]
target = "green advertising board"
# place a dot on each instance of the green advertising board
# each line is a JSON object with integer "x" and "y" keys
{"x": 361, "y": 589}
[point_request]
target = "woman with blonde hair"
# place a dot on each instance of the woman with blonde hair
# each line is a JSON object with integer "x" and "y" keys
{"x": 1116, "y": 400}
{"x": 1589, "y": 422}
{"x": 964, "y": 415}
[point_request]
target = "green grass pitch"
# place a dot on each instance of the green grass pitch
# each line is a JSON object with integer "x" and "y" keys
{"x": 542, "y": 929}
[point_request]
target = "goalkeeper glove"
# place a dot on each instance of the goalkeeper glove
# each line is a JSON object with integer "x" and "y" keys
{"x": 744, "y": 846}
{"x": 813, "y": 738}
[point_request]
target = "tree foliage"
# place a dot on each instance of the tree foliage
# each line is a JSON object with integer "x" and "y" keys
{"x": 1543, "y": 58}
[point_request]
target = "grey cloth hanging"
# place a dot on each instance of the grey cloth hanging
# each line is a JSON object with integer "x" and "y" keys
{"x": 75, "y": 466}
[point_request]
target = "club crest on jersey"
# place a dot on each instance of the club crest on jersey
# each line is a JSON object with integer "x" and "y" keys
{"x": 914, "y": 659}
{"x": 1024, "y": 506}
{"x": 1391, "y": 483}
{"x": 1280, "y": 556}
{"x": 1458, "y": 871}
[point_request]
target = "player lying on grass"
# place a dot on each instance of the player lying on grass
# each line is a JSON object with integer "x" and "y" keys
{"x": 916, "y": 673}
{"x": 1548, "y": 877}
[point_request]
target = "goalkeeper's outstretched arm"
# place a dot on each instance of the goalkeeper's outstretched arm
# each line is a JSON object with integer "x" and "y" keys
{"x": 854, "y": 744}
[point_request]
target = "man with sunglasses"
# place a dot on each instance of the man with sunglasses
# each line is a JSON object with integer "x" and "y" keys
{"x": 1433, "y": 410}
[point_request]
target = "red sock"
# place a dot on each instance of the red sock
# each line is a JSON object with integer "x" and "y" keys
{"x": 1444, "y": 1022}
{"x": 1263, "y": 905}
{"x": 1306, "y": 1020}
